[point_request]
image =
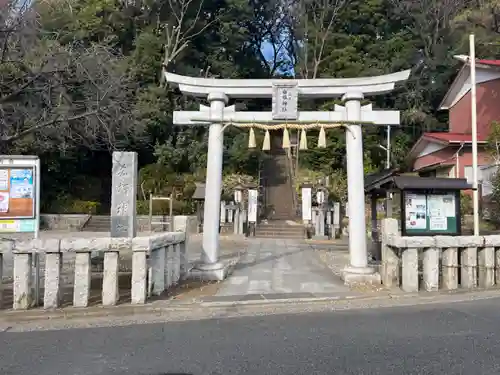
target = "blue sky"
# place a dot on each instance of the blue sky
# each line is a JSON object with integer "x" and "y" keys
{"x": 268, "y": 52}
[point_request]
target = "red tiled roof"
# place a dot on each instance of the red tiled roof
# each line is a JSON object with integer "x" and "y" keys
{"x": 489, "y": 62}
{"x": 455, "y": 137}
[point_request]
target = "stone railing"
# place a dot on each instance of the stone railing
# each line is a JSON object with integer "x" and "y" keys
{"x": 158, "y": 262}
{"x": 438, "y": 262}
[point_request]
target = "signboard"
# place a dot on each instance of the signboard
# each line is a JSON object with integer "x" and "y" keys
{"x": 428, "y": 213}
{"x": 252, "y": 205}
{"x": 306, "y": 204}
{"x": 19, "y": 192}
{"x": 285, "y": 101}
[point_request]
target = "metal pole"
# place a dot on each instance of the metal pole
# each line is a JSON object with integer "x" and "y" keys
{"x": 150, "y": 212}
{"x": 388, "y": 161}
{"x": 475, "y": 192}
{"x": 171, "y": 212}
{"x": 297, "y": 159}
{"x": 36, "y": 257}
{"x": 37, "y": 197}
{"x": 388, "y": 201}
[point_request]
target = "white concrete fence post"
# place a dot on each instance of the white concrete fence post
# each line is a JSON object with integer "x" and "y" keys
{"x": 110, "y": 287}
{"x": 497, "y": 265}
{"x": 390, "y": 258}
{"x": 469, "y": 267}
{"x": 23, "y": 293}
{"x": 139, "y": 277}
{"x": 83, "y": 273}
{"x": 489, "y": 259}
{"x": 409, "y": 259}
{"x": 177, "y": 263}
{"x": 158, "y": 264}
{"x": 450, "y": 268}
{"x": 169, "y": 269}
{"x": 468, "y": 257}
{"x": 184, "y": 257}
{"x": 52, "y": 288}
{"x": 486, "y": 264}
{"x": 431, "y": 269}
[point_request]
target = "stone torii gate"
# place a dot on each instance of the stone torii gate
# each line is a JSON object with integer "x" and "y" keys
{"x": 285, "y": 94}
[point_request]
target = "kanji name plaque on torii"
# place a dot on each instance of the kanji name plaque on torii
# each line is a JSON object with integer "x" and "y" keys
{"x": 285, "y": 101}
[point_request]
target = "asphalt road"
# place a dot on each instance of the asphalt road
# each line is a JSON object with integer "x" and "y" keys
{"x": 460, "y": 338}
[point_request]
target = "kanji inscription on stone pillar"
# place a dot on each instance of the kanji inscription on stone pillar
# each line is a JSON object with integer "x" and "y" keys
{"x": 123, "y": 194}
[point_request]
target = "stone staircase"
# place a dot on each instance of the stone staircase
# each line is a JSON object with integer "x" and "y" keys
{"x": 279, "y": 229}
{"x": 98, "y": 223}
{"x": 278, "y": 189}
{"x": 279, "y": 196}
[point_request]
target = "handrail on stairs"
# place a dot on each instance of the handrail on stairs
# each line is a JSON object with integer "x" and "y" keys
{"x": 86, "y": 221}
{"x": 291, "y": 177}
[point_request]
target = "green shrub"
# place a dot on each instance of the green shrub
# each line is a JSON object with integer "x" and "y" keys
{"x": 466, "y": 204}
{"x": 75, "y": 206}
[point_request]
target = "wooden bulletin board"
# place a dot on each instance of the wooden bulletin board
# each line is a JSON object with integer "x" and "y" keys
{"x": 17, "y": 192}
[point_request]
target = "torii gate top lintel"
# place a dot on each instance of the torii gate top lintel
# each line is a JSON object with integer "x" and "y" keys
{"x": 263, "y": 88}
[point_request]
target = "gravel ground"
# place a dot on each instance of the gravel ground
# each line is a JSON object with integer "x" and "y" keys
{"x": 336, "y": 257}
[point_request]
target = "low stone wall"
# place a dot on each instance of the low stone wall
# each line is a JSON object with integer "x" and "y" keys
{"x": 438, "y": 262}
{"x": 62, "y": 222}
{"x": 73, "y": 223}
{"x": 158, "y": 262}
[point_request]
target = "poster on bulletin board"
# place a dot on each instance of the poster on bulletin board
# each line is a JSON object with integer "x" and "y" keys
{"x": 431, "y": 213}
{"x": 17, "y": 192}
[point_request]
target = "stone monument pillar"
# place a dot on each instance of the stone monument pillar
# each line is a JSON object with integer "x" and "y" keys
{"x": 124, "y": 194}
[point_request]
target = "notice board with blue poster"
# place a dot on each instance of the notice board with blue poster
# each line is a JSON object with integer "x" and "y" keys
{"x": 18, "y": 194}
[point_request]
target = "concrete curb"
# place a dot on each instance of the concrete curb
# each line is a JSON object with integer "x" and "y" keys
{"x": 281, "y": 301}
{"x": 162, "y": 308}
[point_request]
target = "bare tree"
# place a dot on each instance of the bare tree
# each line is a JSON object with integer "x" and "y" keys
{"x": 270, "y": 33}
{"x": 312, "y": 23}
{"x": 58, "y": 94}
{"x": 481, "y": 15}
{"x": 187, "y": 21}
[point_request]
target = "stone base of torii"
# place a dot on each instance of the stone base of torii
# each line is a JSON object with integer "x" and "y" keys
{"x": 285, "y": 94}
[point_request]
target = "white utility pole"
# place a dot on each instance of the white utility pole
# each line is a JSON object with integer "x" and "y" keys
{"x": 388, "y": 148}
{"x": 388, "y": 198}
{"x": 475, "y": 192}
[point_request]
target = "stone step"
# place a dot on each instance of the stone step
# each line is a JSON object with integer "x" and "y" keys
{"x": 279, "y": 235}
{"x": 279, "y": 232}
{"x": 98, "y": 223}
{"x": 286, "y": 228}
{"x": 301, "y": 232}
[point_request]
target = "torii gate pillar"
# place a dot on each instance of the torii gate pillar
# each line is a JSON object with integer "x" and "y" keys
{"x": 213, "y": 188}
{"x": 357, "y": 270}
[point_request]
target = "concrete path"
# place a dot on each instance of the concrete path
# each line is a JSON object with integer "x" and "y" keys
{"x": 277, "y": 266}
